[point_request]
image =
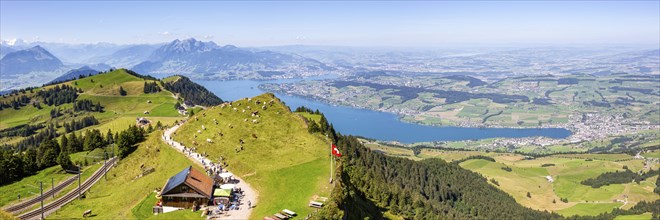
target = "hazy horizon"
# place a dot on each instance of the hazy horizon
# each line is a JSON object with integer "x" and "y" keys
{"x": 348, "y": 24}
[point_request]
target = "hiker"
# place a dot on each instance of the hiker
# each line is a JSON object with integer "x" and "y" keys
{"x": 249, "y": 204}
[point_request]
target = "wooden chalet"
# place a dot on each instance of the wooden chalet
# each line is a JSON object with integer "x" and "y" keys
{"x": 187, "y": 187}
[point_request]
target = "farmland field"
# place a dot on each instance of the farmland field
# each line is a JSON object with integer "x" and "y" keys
{"x": 566, "y": 170}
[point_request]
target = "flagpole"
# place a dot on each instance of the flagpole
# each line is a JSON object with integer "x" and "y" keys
{"x": 330, "y": 158}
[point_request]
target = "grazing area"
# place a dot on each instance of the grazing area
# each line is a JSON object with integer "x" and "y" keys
{"x": 126, "y": 188}
{"x": 335, "y": 110}
{"x": 563, "y": 191}
{"x": 268, "y": 146}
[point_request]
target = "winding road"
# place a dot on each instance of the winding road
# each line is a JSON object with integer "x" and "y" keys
{"x": 249, "y": 193}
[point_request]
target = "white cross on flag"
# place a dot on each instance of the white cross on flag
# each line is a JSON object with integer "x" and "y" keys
{"x": 335, "y": 150}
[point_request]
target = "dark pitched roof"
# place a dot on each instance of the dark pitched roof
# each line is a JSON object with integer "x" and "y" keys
{"x": 176, "y": 180}
{"x": 194, "y": 179}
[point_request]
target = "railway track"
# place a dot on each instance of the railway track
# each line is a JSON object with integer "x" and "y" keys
{"x": 17, "y": 208}
{"x": 72, "y": 195}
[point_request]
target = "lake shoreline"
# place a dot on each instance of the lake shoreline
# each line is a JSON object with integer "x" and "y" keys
{"x": 376, "y": 124}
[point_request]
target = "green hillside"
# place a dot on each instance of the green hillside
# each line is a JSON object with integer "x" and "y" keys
{"x": 287, "y": 165}
{"x": 122, "y": 192}
{"x": 104, "y": 89}
{"x": 118, "y": 112}
{"x": 567, "y": 171}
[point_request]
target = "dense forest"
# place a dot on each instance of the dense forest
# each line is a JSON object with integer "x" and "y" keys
{"x": 87, "y": 105}
{"x": 192, "y": 92}
{"x": 74, "y": 125}
{"x": 15, "y": 103}
{"x": 49, "y": 152}
{"x": 617, "y": 177}
{"x": 370, "y": 184}
{"x": 59, "y": 95}
{"x": 474, "y": 157}
{"x": 472, "y": 82}
{"x": 49, "y": 132}
{"x": 21, "y": 130}
{"x": 151, "y": 87}
{"x": 429, "y": 189}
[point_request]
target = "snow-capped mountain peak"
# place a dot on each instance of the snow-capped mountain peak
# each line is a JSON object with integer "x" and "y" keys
{"x": 13, "y": 42}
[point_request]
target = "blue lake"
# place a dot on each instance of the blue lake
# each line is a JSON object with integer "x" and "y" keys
{"x": 374, "y": 124}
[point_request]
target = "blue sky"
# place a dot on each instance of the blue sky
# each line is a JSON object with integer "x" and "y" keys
{"x": 364, "y": 23}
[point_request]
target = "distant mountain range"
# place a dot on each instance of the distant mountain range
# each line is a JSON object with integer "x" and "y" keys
{"x": 29, "y": 60}
{"x": 29, "y": 67}
{"x": 126, "y": 57}
{"x": 34, "y": 63}
{"x": 188, "y": 57}
{"x": 208, "y": 60}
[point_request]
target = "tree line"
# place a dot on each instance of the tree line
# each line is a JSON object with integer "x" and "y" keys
{"x": 87, "y": 105}
{"x": 474, "y": 157}
{"x": 23, "y": 130}
{"x": 49, "y": 152}
{"x": 408, "y": 93}
{"x": 428, "y": 189}
{"x": 151, "y": 87}
{"x": 34, "y": 140}
{"x": 59, "y": 95}
{"x": 15, "y": 103}
{"x": 80, "y": 124}
{"x": 193, "y": 93}
{"x": 369, "y": 184}
{"x": 322, "y": 127}
{"x": 617, "y": 177}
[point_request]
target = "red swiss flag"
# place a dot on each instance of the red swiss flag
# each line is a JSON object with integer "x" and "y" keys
{"x": 335, "y": 150}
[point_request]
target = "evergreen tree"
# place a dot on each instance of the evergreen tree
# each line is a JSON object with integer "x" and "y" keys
{"x": 64, "y": 143}
{"x": 313, "y": 127}
{"x": 192, "y": 92}
{"x": 30, "y": 161}
{"x": 108, "y": 137}
{"x": 64, "y": 160}
{"x": 122, "y": 92}
{"x": 93, "y": 140}
{"x": 47, "y": 153}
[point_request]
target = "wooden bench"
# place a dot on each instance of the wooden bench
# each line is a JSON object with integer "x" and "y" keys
{"x": 288, "y": 213}
{"x": 315, "y": 204}
{"x": 280, "y": 216}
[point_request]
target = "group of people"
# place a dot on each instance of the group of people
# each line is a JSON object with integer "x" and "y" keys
{"x": 213, "y": 169}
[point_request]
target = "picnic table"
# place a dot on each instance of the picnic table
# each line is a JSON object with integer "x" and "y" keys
{"x": 280, "y": 216}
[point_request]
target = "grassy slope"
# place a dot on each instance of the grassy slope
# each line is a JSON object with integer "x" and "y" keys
{"x": 529, "y": 176}
{"x": 103, "y": 88}
{"x": 647, "y": 215}
{"x": 120, "y": 112}
{"x": 31, "y": 184}
{"x": 568, "y": 172}
{"x": 116, "y": 198}
{"x": 285, "y": 164}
